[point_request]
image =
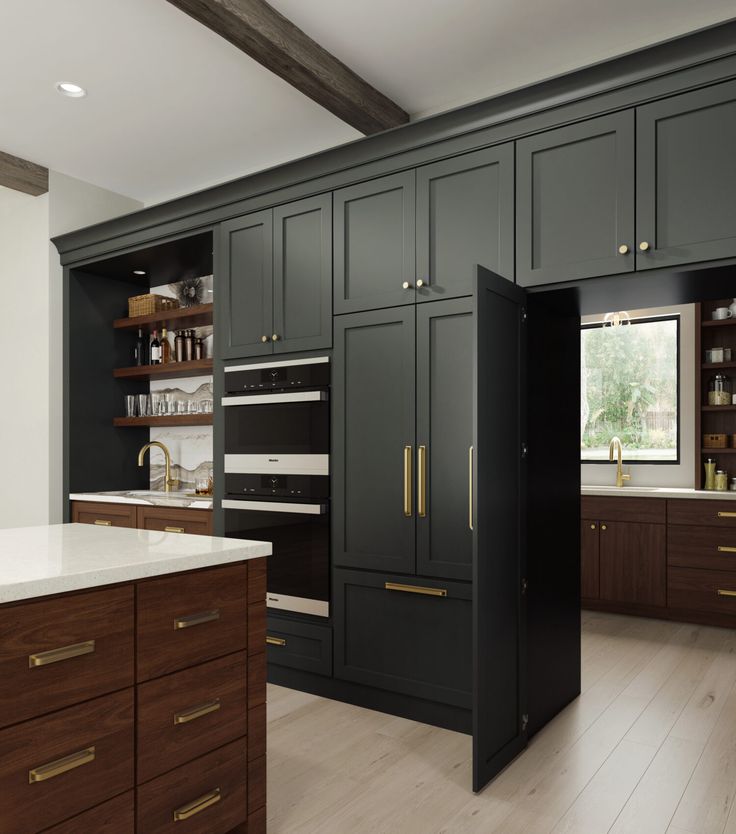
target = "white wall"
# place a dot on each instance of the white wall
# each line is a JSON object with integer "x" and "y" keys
{"x": 671, "y": 475}
{"x": 31, "y": 340}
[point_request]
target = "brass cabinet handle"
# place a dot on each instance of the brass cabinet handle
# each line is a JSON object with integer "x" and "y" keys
{"x": 603, "y": 527}
{"x": 726, "y": 514}
{"x": 623, "y": 249}
{"x": 722, "y": 592}
{"x": 422, "y": 477}
{"x": 415, "y": 589}
{"x": 102, "y": 522}
{"x": 644, "y": 246}
{"x": 196, "y": 619}
{"x": 275, "y": 337}
{"x": 470, "y": 487}
{"x": 407, "y": 482}
{"x": 264, "y": 338}
{"x": 197, "y": 805}
{"x": 724, "y": 549}
{"x": 187, "y": 715}
{"x": 592, "y": 526}
{"x": 62, "y": 653}
{"x": 422, "y": 283}
{"x": 275, "y": 641}
{"x": 56, "y": 768}
{"x": 406, "y": 285}
{"x": 173, "y": 529}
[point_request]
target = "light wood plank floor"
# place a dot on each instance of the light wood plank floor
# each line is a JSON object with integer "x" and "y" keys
{"x": 648, "y": 748}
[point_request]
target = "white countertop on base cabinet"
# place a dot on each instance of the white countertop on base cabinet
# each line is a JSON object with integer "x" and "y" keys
{"x": 657, "y": 492}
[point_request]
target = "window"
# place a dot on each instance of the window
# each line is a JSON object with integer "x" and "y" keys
{"x": 629, "y": 387}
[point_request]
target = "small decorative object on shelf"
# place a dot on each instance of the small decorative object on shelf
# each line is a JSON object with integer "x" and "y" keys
{"x": 710, "y": 474}
{"x": 715, "y": 441}
{"x": 715, "y": 355}
{"x": 721, "y": 313}
{"x": 189, "y": 291}
{"x": 721, "y": 480}
{"x": 150, "y": 303}
{"x": 719, "y": 390}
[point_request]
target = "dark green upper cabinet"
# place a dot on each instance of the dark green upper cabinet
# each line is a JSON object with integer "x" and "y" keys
{"x": 575, "y": 201}
{"x": 374, "y": 244}
{"x": 686, "y": 178}
{"x": 277, "y": 268}
{"x": 373, "y": 419}
{"x": 465, "y": 217}
{"x": 444, "y": 436}
{"x": 245, "y": 303}
{"x": 302, "y": 275}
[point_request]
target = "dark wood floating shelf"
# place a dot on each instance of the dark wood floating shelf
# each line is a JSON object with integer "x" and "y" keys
{"x": 171, "y": 370}
{"x": 718, "y": 408}
{"x": 714, "y": 366}
{"x": 718, "y": 322}
{"x": 727, "y": 451}
{"x": 171, "y": 420}
{"x": 197, "y": 316}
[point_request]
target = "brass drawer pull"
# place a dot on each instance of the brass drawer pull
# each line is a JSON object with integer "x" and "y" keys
{"x": 422, "y": 478}
{"x": 103, "y": 522}
{"x": 723, "y": 593}
{"x": 187, "y": 715}
{"x": 726, "y": 514}
{"x": 275, "y": 641}
{"x": 407, "y": 482}
{"x": 196, "y": 619}
{"x": 56, "y": 768}
{"x": 173, "y": 529}
{"x": 415, "y": 589}
{"x": 62, "y": 653}
{"x": 197, "y": 805}
{"x": 724, "y": 549}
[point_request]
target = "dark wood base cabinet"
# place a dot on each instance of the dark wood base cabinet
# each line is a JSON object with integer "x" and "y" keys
{"x": 173, "y": 731}
{"x": 166, "y": 519}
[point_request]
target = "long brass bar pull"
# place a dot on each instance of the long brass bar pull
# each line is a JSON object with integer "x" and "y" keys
{"x": 422, "y": 479}
{"x": 722, "y": 548}
{"x": 191, "y": 714}
{"x": 726, "y": 514}
{"x": 197, "y": 805}
{"x": 275, "y": 641}
{"x": 470, "y": 487}
{"x": 723, "y": 593}
{"x": 62, "y": 653}
{"x": 407, "y": 482}
{"x": 196, "y": 619}
{"x": 56, "y": 768}
{"x": 415, "y": 589}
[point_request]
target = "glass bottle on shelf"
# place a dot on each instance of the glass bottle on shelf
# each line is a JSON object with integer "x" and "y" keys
{"x": 155, "y": 349}
{"x": 165, "y": 347}
{"x": 719, "y": 390}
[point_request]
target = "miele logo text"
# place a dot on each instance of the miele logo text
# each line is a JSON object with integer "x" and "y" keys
{"x": 273, "y": 460}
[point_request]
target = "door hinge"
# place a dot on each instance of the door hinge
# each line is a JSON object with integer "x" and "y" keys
{"x": 524, "y": 722}
{"x": 523, "y": 315}
{"x": 524, "y": 451}
{"x": 524, "y": 585}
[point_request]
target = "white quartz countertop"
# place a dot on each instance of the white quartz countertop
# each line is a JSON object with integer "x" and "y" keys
{"x": 147, "y": 498}
{"x": 657, "y": 492}
{"x": 55, "y": 559}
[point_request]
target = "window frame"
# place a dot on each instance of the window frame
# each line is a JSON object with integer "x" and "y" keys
{"x": 648, "y": 320}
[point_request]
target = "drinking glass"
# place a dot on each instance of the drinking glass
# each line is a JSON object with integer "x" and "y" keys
{"x": 181, "y": 407}
{"x": 157, "y": 401}
{"x": 130, "y": 405}
{"x": 144, "y": 405}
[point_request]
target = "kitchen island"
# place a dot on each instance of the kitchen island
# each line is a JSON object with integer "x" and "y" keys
{"x": 132, "y": 681}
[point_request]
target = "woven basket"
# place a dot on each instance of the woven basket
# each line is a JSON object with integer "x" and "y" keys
{"x": 715, "y": 441}
{"x": 146, "y": 305}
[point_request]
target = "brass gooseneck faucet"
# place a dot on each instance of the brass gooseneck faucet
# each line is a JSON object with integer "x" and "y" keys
{"x": 616, "y": 446}
{"x": 168, "y": 481}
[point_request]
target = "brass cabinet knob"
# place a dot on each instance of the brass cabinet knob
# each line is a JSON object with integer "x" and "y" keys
{"x": 406, "y": 285}
{"x": 603, "y": 527}
{"x": 592, "y": 526}
{"x": 420, "y": 283}
{"x": 264, "y": 338}
{"x": 275, "y": 337}
{"x": 644, "y": 246}
{"x": 623, "y": 249}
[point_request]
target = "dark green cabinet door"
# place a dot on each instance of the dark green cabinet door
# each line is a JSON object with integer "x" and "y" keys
{"x": 374, "y": 244}
{"x": 465, "y": 217}
{"x": 444, "y": 437}
{"x": 373, "y": 440}
{"x": 686, "y": 178}
{"x": 302, "y": 275}
{"x": 245, "y": 302}
{"x": 575, "y": 201}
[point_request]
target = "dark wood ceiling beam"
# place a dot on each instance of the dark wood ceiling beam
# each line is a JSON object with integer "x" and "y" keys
{"x": 22, "y": 175}
{"x": 275, "y": 42}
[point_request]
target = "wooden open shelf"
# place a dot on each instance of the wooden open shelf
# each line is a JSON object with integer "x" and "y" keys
{"x": 197, "y": 316}
{"x": 718, "y": 323}
{"x": 171, "y": 370}
{"x": 714, "y": 366}
{"x": 170, "y": 420}
{"x": 726, "y": 451}
{"x": 718, "y": 408}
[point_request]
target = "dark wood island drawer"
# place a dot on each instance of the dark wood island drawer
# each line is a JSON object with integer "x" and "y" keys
{"x": 189, "y": 618}
{"x": 116, "y": 816}
{"x": 698, "y": 511}
{"x": 54, "y": 767}
{"x": 702, "y": 590}
{"x": 712, "y": 548}
{"x": 59, "y": 652}
{"x": 184, "y": 715}
{"x": 104, "y": 514}
{"x": 206, "y": 796}
{"x": 173, "y": 520}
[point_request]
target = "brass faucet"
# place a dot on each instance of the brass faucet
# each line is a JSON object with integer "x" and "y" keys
{"x": 168, "y": 480}
{"x": 616, "y": 445}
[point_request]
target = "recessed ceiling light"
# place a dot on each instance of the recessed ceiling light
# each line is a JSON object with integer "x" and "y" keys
{"x": 67, "y": 88}
{"x": 139, "y": 272}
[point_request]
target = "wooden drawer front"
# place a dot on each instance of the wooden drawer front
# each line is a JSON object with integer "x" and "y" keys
{"x": 700, "y": 511}
{"x": 187, "y": 714}
{"x": 114, "y": 817}
{"x": 173, "y": 520}
{"x": 701, "y": 547}
{"x": 699, "y": 589}
{"x": 38, "y": 749}
{"x": 222, "y": 774}
{"x": 304, "y": 646}
{"x": 58, "y": 652}
{"x": 403, "y": 641}
{"x": 642, "y": 510}
{"x": 104, "y": 514}
{"x": 187, "y": 619}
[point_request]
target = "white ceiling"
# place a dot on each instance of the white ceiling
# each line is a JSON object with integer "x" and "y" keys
{"x": 173, "y": 108}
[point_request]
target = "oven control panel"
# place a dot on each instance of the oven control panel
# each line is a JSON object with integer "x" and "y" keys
{"x": 277, "y": 486}
{"x": 277, "y": 376}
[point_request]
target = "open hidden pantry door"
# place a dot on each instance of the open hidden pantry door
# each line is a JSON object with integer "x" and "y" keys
{"x": 497, "y": 517}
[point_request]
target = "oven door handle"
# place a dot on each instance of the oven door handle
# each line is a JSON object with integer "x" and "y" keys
{"x": 261, "y": 399}
{"x": 274, "y": 507}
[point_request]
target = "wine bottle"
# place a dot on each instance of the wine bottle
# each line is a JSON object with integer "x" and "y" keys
{"x": 165, "y": 347}
{"x": 139, "y": 351}
{"x": 155, "y": 349}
